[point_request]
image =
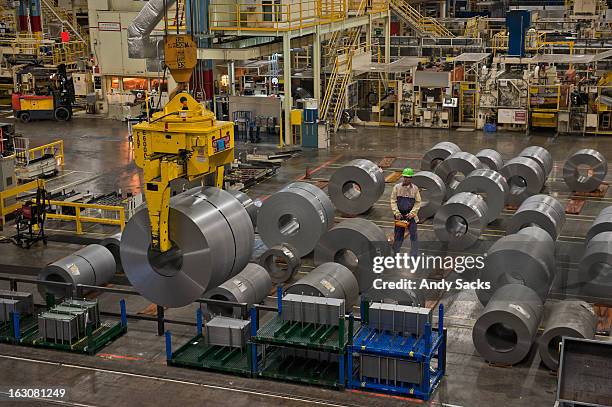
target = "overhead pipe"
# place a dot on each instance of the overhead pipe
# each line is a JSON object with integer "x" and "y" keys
{"x": 140, "y": 43}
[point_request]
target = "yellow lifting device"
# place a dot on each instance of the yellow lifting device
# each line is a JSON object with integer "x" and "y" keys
{"x": 182, "y": 141}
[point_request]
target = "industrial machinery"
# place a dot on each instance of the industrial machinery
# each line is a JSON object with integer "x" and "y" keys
{"x": 54, "y": 101}
{"x": 30, "y": 219}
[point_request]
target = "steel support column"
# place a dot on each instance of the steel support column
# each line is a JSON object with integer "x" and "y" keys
{"x": 288, "y": 102}
{"x": 316, "y": 66}
{"x": 388, "y": 38}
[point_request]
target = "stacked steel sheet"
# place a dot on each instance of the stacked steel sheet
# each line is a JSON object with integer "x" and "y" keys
{"x": 315, "y": 310}
{"x": 222, "y": 331}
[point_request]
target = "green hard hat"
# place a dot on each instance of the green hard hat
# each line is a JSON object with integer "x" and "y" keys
{"x": 408, "y": 172}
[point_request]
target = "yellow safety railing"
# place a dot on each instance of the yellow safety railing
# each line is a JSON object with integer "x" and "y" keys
{"x": 425, "y": 24}
{"x": 79, "y": 219}
{"x": 56, "y": 148}
{"x": 9, "y": 199}
{"x": 48, "y": 51}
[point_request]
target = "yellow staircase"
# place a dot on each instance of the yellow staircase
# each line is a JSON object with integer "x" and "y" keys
{"x": 67, "y": 19}
{"x": 424, "y": 26}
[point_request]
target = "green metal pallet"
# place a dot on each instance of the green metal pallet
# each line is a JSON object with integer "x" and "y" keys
{"x": 275, "y": 365}
{"x": 305, "y": 335}
{"x": 90, "y": 344}
{"x": 197, "y": 354}
{"x": 27, "y": 326}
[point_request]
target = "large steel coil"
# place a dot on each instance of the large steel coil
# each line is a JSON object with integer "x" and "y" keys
{"x": 455, "y": 168}
{"x": 540, "y": 210}
{"x": 281, "y": 261}
{"x": 490, "y": 159}
{"x": 298, "y": 214}
{"x": 508, "y": 325}
{"x": 438, "y": 153}
{"x": 602, "y": 223}
{"x": 91, "y": 265}
{"x": 527, "y": 258}
{"x": 356, "y": 186}
{"x": 461, "y": 220}
{"x": 331, "y": 280}
{"x": 491, "y": 185}
{"x": 433, "y": 193}
{"x": 251, "y": 206}
{"x": 213, "y": 240}
{"x": 525, "y": 178}
{"x": 354, "y": 243}
{"x": 570, "y": 318}
{"x": 593, "y": 163}
{"x": 250, "y": 286}
{"x": 595, "y": 267}
{"x": 541, "y": 156}
{"x": 113, "y": 244}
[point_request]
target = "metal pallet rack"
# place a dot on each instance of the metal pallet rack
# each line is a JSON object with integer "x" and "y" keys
{"x": 198, "y": 354}
{"x": 25, "y": 332}
{"x": 413, "y": 354}
{"x": 286, "y": 348}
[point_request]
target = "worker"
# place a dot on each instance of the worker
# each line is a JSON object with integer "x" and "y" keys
{"x": 405, "y": 204}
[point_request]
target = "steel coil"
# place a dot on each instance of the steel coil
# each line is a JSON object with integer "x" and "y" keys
{"x": 299, "y": 214}
{"x": 595, "y": 267}
{"x": 251, "y": 206}
{"x": 91, "y": 265}
{"x": 527, "y": 258}
{"x": 331, "y": 280}
{"x": 213, "y": 237}
{"x": 570, "y": 318}
{"x": 539, "y": 210}
{"x": 455, "y": 168}
{"x": 250, "y": 286}
{"x": 461, "y": 220}
{"x": 541, "y": 156}
{"x": 592, "y": 161}
{"x": 113, "y": 243}
{"x": 525, "y": 178}
{"x": 490, "y": 159}
{"x": 602, "y": 223}
{"x": 491, "y": 185}
{"x": 438, "y": 153}
{"x": 356, "y": 186}
{"x": 281, "y": 261}
{"x": 354, "y": 243}
{"x": 433, "y": 193}
{"x": 508, "y": 325}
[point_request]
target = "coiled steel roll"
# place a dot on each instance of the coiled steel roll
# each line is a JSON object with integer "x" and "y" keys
{"x": 251, "y": 206}
{"x": 524, "y": 177}
{"x": 450, "y": 170}
{"x": 541, "y": 210}
{"x": 541, "y": 156}
{"x": 595, "y": 267}
{"x": 356, "y": 186}
{"x": 433, "y": 193}
{"x": 493, "y": 187}
{"x": 399, "y": 295}
{"x": 91, "y": 265}
{"x": 298, "y": 214}
{"x": 354, "y": 243}
{"x": 527, "y": 258}
{"x": 571, "y": 318}
{"x": 213, "y": 237}
{"x": 490, "y": 159}
{"x": 602, "y": 223}
{"x": 284, "y": 253}
{"x": 331, "y": 280}
{"x": 250, "y": 286}
{"x": 594, "y": 161}
{"x": 508, "y": 325}
{"x": 461, "y": 220}
{"x": 113, "y": 243}
{"x": 438, "y": 153}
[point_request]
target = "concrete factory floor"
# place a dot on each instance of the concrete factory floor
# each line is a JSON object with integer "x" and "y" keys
{"x": 132, "y": 371}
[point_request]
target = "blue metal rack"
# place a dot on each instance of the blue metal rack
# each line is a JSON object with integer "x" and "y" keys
{"x": 372, "y": 342}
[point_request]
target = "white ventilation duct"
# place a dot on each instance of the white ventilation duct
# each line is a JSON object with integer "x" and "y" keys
{"x": 140, "y": 43}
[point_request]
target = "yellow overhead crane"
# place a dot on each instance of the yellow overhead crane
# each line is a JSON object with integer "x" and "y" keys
{"x": 182, "y": 141}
